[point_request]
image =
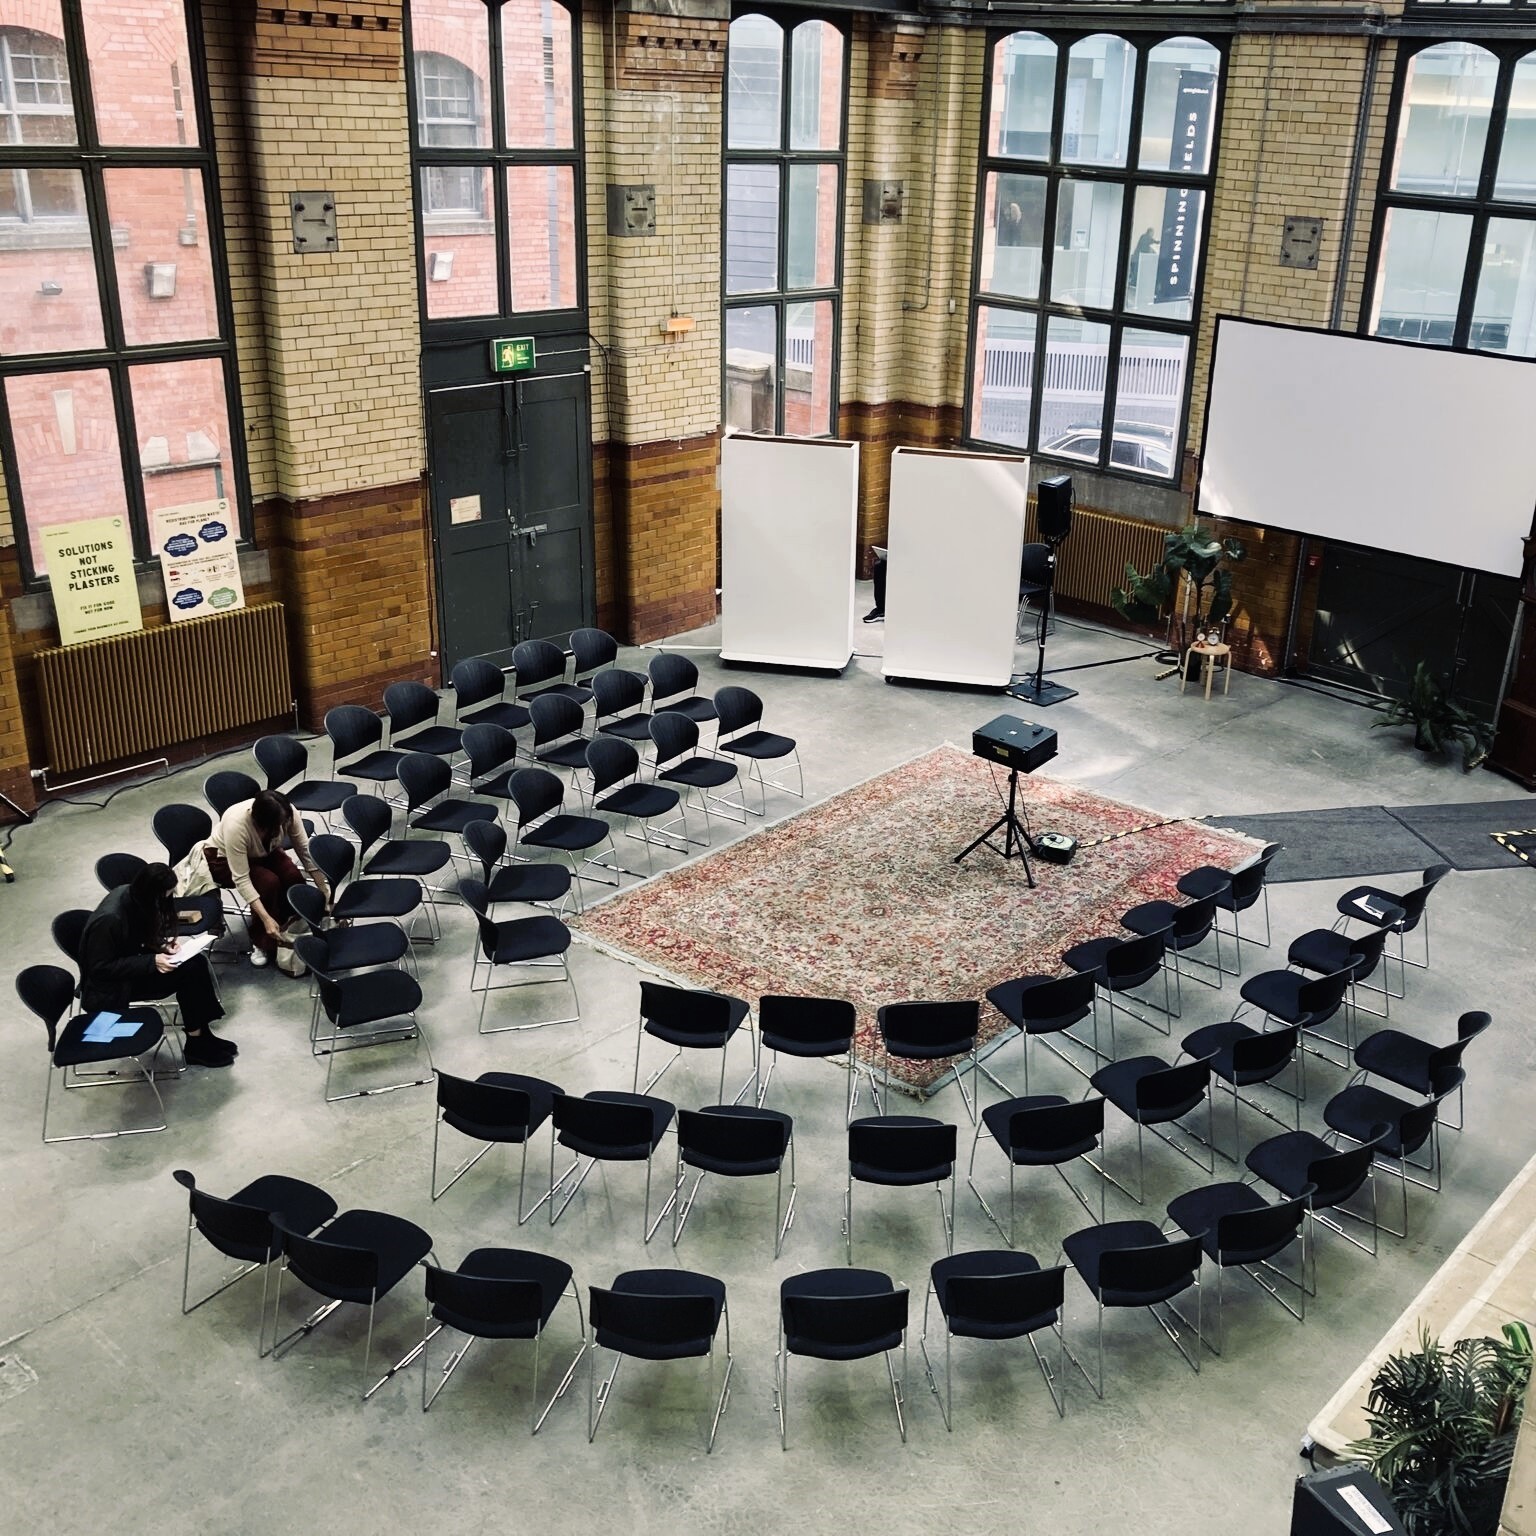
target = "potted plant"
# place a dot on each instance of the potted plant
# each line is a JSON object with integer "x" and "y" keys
{"x": 1438, "y": 721}
{"x": 1194, "y": 555}
{"x": 1443, "y": 1424}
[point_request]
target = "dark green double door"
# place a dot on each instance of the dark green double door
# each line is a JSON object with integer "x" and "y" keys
{"x": 511, "y": 489}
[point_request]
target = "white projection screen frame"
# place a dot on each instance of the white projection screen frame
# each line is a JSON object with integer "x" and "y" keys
{"x": 1385, "y": 444}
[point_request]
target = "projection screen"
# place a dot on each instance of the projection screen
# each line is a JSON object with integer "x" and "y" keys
{"x": 1380, "y": 443}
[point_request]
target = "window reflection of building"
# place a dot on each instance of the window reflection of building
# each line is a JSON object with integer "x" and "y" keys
{"x": 449, "y": 97}
{"x": 36, "y": 108}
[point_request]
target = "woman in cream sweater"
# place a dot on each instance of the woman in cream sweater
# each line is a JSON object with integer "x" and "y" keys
{"x": 250, "y": 838}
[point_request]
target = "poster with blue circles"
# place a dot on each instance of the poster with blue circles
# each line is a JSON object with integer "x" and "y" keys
{"x": 198, "y": 558}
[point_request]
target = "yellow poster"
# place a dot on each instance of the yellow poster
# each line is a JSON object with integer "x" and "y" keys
{"x": 90, "y": 568}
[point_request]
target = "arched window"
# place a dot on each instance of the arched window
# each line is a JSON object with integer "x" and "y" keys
{"x": 450, "y": 114}
{"x": 37, "y": 108}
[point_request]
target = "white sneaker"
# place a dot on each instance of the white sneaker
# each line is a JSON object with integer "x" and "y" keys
{"x": 260, "y": 957}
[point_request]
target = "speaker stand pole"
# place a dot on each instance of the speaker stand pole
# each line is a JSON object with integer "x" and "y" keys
{"x": 1036, "y": 690}
{"x": 1015, "y": 839}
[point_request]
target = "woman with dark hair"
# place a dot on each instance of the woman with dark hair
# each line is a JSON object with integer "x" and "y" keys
{"x": 128, "y": 955}
{"x": 249, "y": 840}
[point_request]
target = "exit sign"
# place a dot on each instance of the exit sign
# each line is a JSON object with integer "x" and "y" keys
{"x": 512, "y": 354}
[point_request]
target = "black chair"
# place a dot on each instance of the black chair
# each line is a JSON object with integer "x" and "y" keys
{"x": 557, "y": 738}
{"x": 1041, "y": 1131}
{"x": 49, "y": 991}
{"x": 358, "y": 1259}
{"x": 901, "y": 1152}
{"x": 1306, "y": 1001}
{"x": 499, "y": 1293}
{"x": 360, "y": 1007}
{"x": 1153, "y": 1094}
{"x": 1239, "y": 1229}
{"x": 356, "y": 900}
{"x": 693, "y": 1021}
{"x": 115, "y": 869}
{"x": 68, "y": 930}
{"x": 541, "y": 669}
{"x": 531, "y": 944}
{"x": 740, "y": 713}
{"x": 284, "y": 760}
{"x": 491, "y": 753}
{"x": 228, "y": 787}
{"x": 1399, "y": 912}
{"x": 617, "y": 790}
{"x": 1051, "y": 1005}
{"x": 1417, "y": 1064}
{"x": 1243, "y": 1057}
{"x": 179, "y": 828}
{"x": 841, "y": 1314}
{"x": 411, "y": 709}
{"x": 807, "y": 1027}
{"x": 991, "y": 1295}
{"x": 426, "y": 781}
{"x": 542, "y": 824}
{"x": 928, "y": 1031}
{"x": 478, "y": 685}
{"x": 1326, "y": 951}
{"x": 606, "y": 1127}
{"x": 499, "y": 1109}
{"x": 545, "y": 885}
{"x": 1296, "y": 1161}
{"x": 1121, "y": 965}
{"x": 240, "y": 1227}
{"x": 381, "y": 856}
{"x": 618, "y": 705}
{"x": 674, "y": 688}
{"x": 680, "y": 763}
{"x": 1035, "y": 579}
{"x": 357, "y": 734}
{"x": 657, "y": 1314}
{"x": 1184, "y": 926}
{"x": 737, "y": 1142}
{"x": 591, "y": 651}
{"x": 355, "y": 947}
{"x": 1236, "y": 891}
{"x": 1133, "y": 1264}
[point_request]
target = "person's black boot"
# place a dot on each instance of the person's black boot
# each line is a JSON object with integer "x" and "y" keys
{"x": 202, "y": 1051}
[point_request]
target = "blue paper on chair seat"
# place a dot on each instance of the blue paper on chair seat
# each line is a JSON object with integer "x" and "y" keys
{"x": 110, "y": 1026}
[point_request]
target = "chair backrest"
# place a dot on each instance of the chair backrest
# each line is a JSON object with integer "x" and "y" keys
{"x": 554, "y": 716}
{"x": 178, "y": 827}
{"x": 1133, "y": 960}
{"x": 1246, "y": 1237}
{"x": 496, "y": 1304}
{"x": 615, "y": 691}
{"x": 1049, "y": 1128}
{"x": 902, "y": 1144}
{"x": 535, "y": 792}
{"x": 1321, "y": 996}
{"x": 336, "y": 857}
{"x": 487, "y": 841}
{"x": 1366, "y": 950}
{"x": 671, "y": 675}
{"x": 1470, "y": 1025}
{"x": 352, "y": 730}
{"x": 641, "y": 1322}
{"x": 231, "y": 1227}
{"x": 828, "y": 1021}
{"x": 1337, "y": 1176}
{"x": 1265, "y": 1051}
{"x": 683, "y": 1010}
{"x": 1148, "y": 1271}
{"x": 408, "y": 704}
{"x": 314, "y": 950}
{"x": 333, "y": 1269}
{"x": 369, "y": 817}
{"x": 610, "y": 759}
{"x": 999, "y": 1300}
{"x": 591, "y": 649}
{"x": 487, "y": 1104}
{"x": 1062, "y": 997}
{"x": 1248, "y": 881}
{"x": 1194, "y": 920}
{"x": 929, "y": 1026}
{"x": 281, "y": 758}
{"x": 674, "y": 735}
{"x": 49, "y": 992}
{"x": 68, "y": 928}
{"x": 845, "y": 1323}
{"x": 1035, "y": 565}
{"x": 538, "y": 662}
{"x": 488, "y": 748}
{"x": 229, "y": 787}
{"x": 115, "y": 869}
{"x": 1413, "y": 902}
{"x": 738, "y": 709}
{"x": 473, "y": 894}
{"x": 600, "y": 1122}
{"x": 476, "y": 681}
{"x": 1416, "y": 1125}
{"x": 732, "y": 1133}
{"x": 1173, "y": 1085}
{"x": 423, "y": 777}
{"x": 309, "y": 904}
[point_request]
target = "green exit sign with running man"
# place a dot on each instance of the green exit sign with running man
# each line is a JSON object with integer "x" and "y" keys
{"x": 512, "y": 354}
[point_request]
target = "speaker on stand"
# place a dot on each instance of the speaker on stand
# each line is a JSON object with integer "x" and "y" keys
{"x": 1053, "y": 515}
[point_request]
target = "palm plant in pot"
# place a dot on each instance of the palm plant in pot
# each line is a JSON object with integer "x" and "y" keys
{"x": 1438, "y": 721}
{"x": 1193, "y": 555}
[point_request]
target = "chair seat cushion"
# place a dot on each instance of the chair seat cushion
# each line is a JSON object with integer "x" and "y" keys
{"x": 1216, "y": 1042}
{"x": 569, "y": 834}
{"x": 700, "y": 773}
{"x": 838, "y": 1284}
{"x": 435, "y": 740}
{"x": 1086, "y": 1250}
{"x": 1150, "y": 917}
{"x": 379, "y": 765}
{"x": 1356, "y": 1112}
{"x": 573, "y": 691}
{"x": 210, "y": 911}
{"x": 627, "y": 727}
{"x": 302, "y": 1206}
{"x": 370, "y": 996}
{"x": 1282, "y": 1161}
{"x": 529, "y": 882}
{"x": 1198, "y": 1212}
{"x": 551, "y": 1275}
{"x": 399, "y": 1244}
{"x": 73, "y": 1050}
{"x": 530, "y": 938}
{"x": 377, "y": 898}
{"x": 322, "y": 795}
{"x": 1089, "y": 955}
{"x": 759, "y": 744}
{"x": 661, "y": 1113}
{"x": 541, "y": 1099}
{"x": 350, "y": 949}
{"x": 641, "y": 800}
{"x": 1276, "y": 993}
{"x": 1118, "y": 1082}
{"x": 453, "y": 816}
{"x": 510, "y": 717}
{"x": 789, "y": 1045}
{"x": 988, "y": 1263}
{"x": 664, "y": 1282}
{"x": 400, "y": 857}
{"x": 694, "y": 708}
{"x": 1400, "y": 1058}
{"x": 998, "y": 1119}
{"x": 1322, "y": 951}
{"x": 1386, "y": 914}
{"x": 564, "y": 754}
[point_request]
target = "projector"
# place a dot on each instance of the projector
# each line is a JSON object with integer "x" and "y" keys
{"x": 1018, "y": 745}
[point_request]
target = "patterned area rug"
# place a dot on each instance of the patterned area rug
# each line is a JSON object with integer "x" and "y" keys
{"x": 859, "y": 897}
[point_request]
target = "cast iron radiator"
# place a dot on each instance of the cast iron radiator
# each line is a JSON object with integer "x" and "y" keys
{"x": 1091, "y": 561}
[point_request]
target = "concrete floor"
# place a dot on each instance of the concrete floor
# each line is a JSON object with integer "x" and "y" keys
{"x": 115, "y": 1410}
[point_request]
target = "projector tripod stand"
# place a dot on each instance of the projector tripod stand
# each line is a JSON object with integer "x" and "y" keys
{"x": 1016, "y": 843}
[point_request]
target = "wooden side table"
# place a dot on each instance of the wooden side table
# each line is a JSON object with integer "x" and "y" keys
{"x": 1213, "y": 654}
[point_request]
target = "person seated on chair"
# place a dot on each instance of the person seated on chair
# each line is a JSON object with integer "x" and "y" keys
{"x": 126, "y": 956}
{"x": 247, "y": 853}
{"x": 877, "y": 574}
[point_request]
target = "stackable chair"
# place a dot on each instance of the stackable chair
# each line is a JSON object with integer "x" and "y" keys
{"x": 557, "y": 738}
{"x": 592, "y": 652}
{"x": 48, "y": 991}
{"x": 657, "y": 1314}
{"x": 1416, "y": 1064}
{"x": 491, "y": 758}
{"x": 179, "y": 829}
{"x": 680, "y": 763}
{"x": 542, "y": 824}
{"x": 735, "y": 1141}
{"x": 115, "y": 869}
{"x": 530, "y": 945}
{"x": 285, "y": 762}
{"x": 1035, "y": 580}
{"x": 1326, "y": 951}
{"x": 1296, "y": 1161}
{"x": 928, "y": 1031}
{"x": 381, "y": 856}
{"x": 1399, "y": 912}
{"x": 1153, "y": 1094}
{"x": 1236, "y": 891}
{"x": 1239, "y": 1229}
{"x": 901, "y": 1152}
{"x": 740, "y": 732}
{"x": 357, "y": 752}
{"x": 358, "y": 1259}
{"x": 357, "y": 900}
{"x": 498, "y": 1293}
{"x": 1040, "y": 1006}
{"x": 841, "y": 1314}
{"x": 606, "y": 1127}
{"x": 354, "y": 947}
{"x": 618, "y": 790}
{"x": 411, "y": 709}
{"x": 425, "y": 782}
{"x": 618, "y": 705}
{"x": 675, "y": 688}
{"x": 1306, "y": 1001}
{"x": 1243, "y": 1057}
{"x": 1134, "y": 1264}
{"x": 1041, "y": 1131}
{"x": 1119, "y": 966}
{"x": 478, "y": 685}
{"x": 228, "y": 787}
{"x": 498, "y": 1109}
{"x": 810, "y": 1028}
{"x": 543, "y": 885}
{"x": 540, "y": 666}
{"x": 68, "y": 930}
{"x": 240, "y": 1227}
{"x": 1184, "y": 927}
{"x": 692, "y": 1020}
{"x": 992, "y": 1295}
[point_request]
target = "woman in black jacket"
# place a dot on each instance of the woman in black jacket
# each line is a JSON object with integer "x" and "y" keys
{"x": 126, "y": 956}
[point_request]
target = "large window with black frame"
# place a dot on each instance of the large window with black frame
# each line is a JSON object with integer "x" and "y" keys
{"x": 498, "y": 165}
{"x": 116, "y": 359}
{"x": 784, "y": 132}
{"x": 1091, "y": 215}
{"x": 1455, "y": 239}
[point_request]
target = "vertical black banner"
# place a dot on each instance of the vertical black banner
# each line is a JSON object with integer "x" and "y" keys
{"x": 1182, "y": 205}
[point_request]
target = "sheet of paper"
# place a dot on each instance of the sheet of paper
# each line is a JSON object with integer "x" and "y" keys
{"x": 186, "y": 948}
{"x": 102, "y": 1028}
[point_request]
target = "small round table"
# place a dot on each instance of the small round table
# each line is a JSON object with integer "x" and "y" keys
{"x": 1213, "y": 654}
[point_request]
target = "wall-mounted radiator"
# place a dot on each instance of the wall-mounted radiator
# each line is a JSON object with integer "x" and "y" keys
{"x": 1092, "y": 560}
{"x": 133, "y": 694}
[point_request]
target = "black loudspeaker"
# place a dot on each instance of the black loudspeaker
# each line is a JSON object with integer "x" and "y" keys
{"x": 1053, "y": 508}
{"x": 1344, "y": 1501}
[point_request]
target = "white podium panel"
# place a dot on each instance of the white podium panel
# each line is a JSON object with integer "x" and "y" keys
{"x": 788, "y": 517}
{"x": 952, "y": 585}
